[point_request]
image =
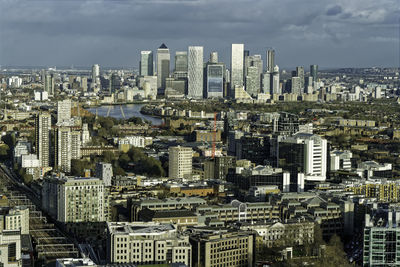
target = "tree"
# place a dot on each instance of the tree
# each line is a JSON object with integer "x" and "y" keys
{"x": 124, "y": 160}
{"x": 106, "y": 122}
{"x": 118, "y": 171}
{"x": 334, "y": 254}
{"x": 136, "y": 154}
{"x": 78, "y": 167}
{"x": 4, "y": 152}
{"x": 108, "y": 156}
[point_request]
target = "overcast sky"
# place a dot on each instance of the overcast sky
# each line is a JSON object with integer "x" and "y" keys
{"x": 330, "y": 33}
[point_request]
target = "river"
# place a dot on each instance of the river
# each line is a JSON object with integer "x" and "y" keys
{"x": 130, "y": 110}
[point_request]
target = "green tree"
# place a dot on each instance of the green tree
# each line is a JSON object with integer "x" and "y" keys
{"x": 108, "y": 156}
{"x": 334, "y": 255}
{"x": 124, "y": 160}
{"x": 4, "y": 151}
{"x": 78, "y": 167}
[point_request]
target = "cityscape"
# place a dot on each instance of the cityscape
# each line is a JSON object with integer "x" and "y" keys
{"x": 222, "y": 153}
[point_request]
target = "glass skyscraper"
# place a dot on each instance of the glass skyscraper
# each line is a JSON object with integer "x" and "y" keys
{"x": 146, "y": 63}
{"x": 215, "y": 80}
{"x": 163, "y": 62}
{"x": 237, "y": 65}
{"x": 195, "y": 72}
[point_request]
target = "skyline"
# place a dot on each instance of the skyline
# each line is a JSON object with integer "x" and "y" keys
{"x": 112, "y": 33}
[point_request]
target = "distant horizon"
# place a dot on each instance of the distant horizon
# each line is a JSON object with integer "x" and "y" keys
{"x": 60, "y": 67}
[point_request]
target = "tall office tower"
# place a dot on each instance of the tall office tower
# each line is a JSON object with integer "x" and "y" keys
{"x": 63, "y": 149}
{"x": 104, "y": 172}
{"x": 195, "y": 72}
{"x": 180, "y": 162}
{"x": 266, "y": 83}
{"x": 95, "y": 73}
{"x": 163, "y": 62}
{"x": 296, "y": 86}
{"x": 84, "y": 84}
{"x": 304, "y": 153}
{"x": 253, "y": 81}
{"x": 256, "y": 61}
{"x": 42, "y": 136}
{"x": 49, "y": 84}
{"x": 246, "y": 64}
{"x": 314, "y": 72}
{"x": 300, "y": 74}
{"x": 75, "y": 200}
{"x": 75, "y": 145}
{"x": 309, "y": 85}
{"x": 214, "y": 57}
{"x": 276, "y": 88}
{"x": 85, "y": 134}
{"x": 181, "y": 61}
{"x": 215, "y": 79}
{"x": 254, "y": 78}
{"x": 270, "y": 60}
{"x": 237, "y": 65}
{"x": 181, "y": 65}
{"x": 115, "y": 82}
{"x": 146, "y": 63}
{"x": 64, "y": 111}
{"x": 227, "y": 75}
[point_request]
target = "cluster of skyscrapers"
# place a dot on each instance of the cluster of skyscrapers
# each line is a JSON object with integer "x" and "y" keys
{"x": 196, "y": 79}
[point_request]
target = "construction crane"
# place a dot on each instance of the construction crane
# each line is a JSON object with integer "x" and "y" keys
{"x": 214, "y": 137}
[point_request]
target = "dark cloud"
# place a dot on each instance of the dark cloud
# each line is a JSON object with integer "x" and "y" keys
{"x": 112, "y": 33}
{"x": 333, "y": 11}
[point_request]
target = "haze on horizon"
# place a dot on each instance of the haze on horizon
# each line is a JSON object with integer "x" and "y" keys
{"x": 330, "y": 33}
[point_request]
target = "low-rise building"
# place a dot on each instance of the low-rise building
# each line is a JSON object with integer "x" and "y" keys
{"x": 292, "y": 232}
{"x": 189, "y": 203}
{"x": 180, "y": 218}
{"x": 10, "y": 248}
{"x": 147, "y": 243}
{"x": 16, "y": 218}
{"x": 222, "y": 247}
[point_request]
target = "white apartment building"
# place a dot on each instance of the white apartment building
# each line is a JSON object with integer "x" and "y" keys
{"x": 180, "y": 162}
{"x": 146, "y": 243}
{"x": 75, "y": 199}
{"x": 63, "y": 149}
{"x": 64, "y": 111}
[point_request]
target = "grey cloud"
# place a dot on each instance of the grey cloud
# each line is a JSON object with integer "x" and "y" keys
{"x": 333, "y": 11}
{"x": 113, "y": 32}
